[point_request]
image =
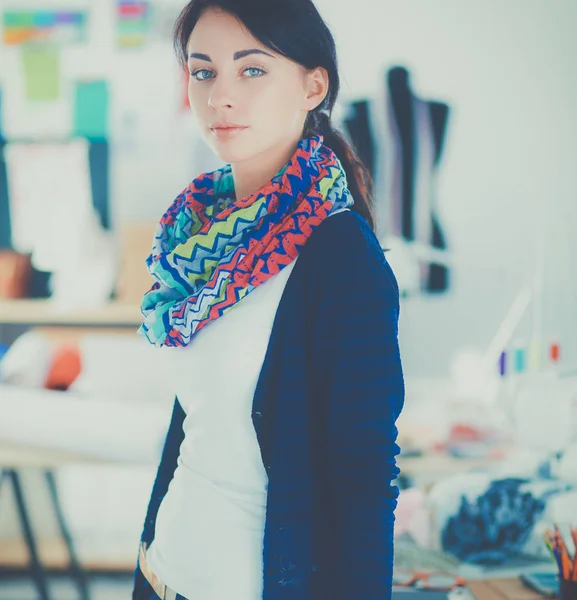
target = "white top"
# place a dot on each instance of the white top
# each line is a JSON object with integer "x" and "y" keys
{"x": 209, "y": 533}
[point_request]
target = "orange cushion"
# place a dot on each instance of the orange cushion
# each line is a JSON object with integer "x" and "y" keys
{"x": 64, "y": 368}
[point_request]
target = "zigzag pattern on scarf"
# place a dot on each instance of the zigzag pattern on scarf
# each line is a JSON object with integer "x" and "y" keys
{"x": 210, "y": 249}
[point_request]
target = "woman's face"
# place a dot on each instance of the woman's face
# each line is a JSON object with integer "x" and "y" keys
{"x": 236, "y": 81}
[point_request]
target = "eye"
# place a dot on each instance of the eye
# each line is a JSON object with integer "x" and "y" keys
{"x": 254, "y": 72}
{"x": 201, "y": 74}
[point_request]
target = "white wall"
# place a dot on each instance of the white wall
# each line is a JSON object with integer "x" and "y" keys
{"x": 505, "y": 68}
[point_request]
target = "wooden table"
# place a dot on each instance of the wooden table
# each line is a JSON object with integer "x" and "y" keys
{"x": 42, "y": 311}
{"x": 16, "y": 456}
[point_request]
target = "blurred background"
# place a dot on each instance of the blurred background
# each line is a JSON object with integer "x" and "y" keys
{"x": 465, "y": 114}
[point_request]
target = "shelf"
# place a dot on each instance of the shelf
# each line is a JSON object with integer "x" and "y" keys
{"x": 43, "y": 312}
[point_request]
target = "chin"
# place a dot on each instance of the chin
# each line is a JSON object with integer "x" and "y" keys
{"x": 228, "y": 154}
{"x": 232, "y": 151}
{"x": 238, "y": 149}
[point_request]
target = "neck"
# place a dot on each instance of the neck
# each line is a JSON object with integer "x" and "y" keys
{"x": 251, "y": 175}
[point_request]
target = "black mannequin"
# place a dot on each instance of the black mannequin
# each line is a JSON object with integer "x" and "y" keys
{"x": 361, "y": 133}
{"x": 359, "y": 129}
{"x": 402, "y": 97}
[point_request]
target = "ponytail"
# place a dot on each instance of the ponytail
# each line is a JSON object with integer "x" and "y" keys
{"x": 359, "y": 179}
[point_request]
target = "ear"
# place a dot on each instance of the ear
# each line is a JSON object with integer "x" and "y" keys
{"x": 316, "y": 87}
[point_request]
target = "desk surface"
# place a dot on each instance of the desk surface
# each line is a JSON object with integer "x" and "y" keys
{"x": 42, "y": 311}
{"x": 14, "y": 456}
{"x": 442, "y": 464}
{"x": 502, "y": 589}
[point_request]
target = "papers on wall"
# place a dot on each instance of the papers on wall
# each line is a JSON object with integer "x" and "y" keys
{"x": 141, "y": 21}
{"x": 49, "y": 191}
{"x": 133, "y": 22}
{"x": 87, "y": 276}
{"x": 36, "y": 120}
{"x": 91, "y": 103}
{"x": 22, "y": 26}
{"x": 41, "y": 69}
{"x": 53, "y": 218}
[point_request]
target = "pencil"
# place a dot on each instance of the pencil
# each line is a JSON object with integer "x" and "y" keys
{"x": 565, "y": 560}
{"x": 574, "y": 536}
{"x": 552, "y": 546}
{"x": 568, "y": 569}
{"x": 561, "y": 553}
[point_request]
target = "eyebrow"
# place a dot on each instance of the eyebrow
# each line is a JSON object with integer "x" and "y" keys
{"x": 237, "y": 55}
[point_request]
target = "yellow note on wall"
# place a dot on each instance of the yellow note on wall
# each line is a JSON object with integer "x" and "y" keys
{"x": 41, "y": 69}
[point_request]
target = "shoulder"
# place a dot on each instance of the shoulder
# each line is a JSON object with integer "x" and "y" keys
{"x": 345, "y": 233}
{"x": 344, "y": 246}
{"x": 348, "y": 223}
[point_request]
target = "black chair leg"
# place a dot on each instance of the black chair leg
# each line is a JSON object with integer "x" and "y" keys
{"x": 38, "y": 573}
{"x": 75, "y": 567}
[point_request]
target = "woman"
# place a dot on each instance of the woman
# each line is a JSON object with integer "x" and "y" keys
{"x": 280, "y": 312}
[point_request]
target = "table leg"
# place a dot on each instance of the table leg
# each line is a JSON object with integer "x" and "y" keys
{"x": 75, "y": 567}
{"x": 38, "y": 572}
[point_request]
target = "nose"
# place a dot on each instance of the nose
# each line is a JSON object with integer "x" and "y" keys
{"x": 221, "y": 95}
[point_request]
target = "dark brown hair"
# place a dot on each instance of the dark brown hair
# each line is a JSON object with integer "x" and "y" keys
{"x": 294, "y": 29}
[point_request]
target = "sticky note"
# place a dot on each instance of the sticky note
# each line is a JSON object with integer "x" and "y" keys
{"x": 91, "y": 109}
{"x": 41, "y": 66}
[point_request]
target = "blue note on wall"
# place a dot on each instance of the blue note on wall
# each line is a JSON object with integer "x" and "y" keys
{"x": 91, "y": 102}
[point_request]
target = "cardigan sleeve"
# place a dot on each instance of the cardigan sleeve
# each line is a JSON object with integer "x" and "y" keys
{"x": 166, "y": 468}
{"x": 359, "y": 383}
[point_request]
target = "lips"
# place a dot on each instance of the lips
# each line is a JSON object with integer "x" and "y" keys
{"x": 226, "y": 130}
{"x": 226, "y": 125}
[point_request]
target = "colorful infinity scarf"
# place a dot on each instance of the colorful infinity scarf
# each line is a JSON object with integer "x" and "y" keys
{"x": 210, "y": 249}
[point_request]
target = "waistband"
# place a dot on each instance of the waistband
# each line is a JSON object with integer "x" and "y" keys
{"x": 161, "y": 590}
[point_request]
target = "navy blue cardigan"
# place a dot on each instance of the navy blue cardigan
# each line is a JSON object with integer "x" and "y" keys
{"x": 329, "y": 393}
